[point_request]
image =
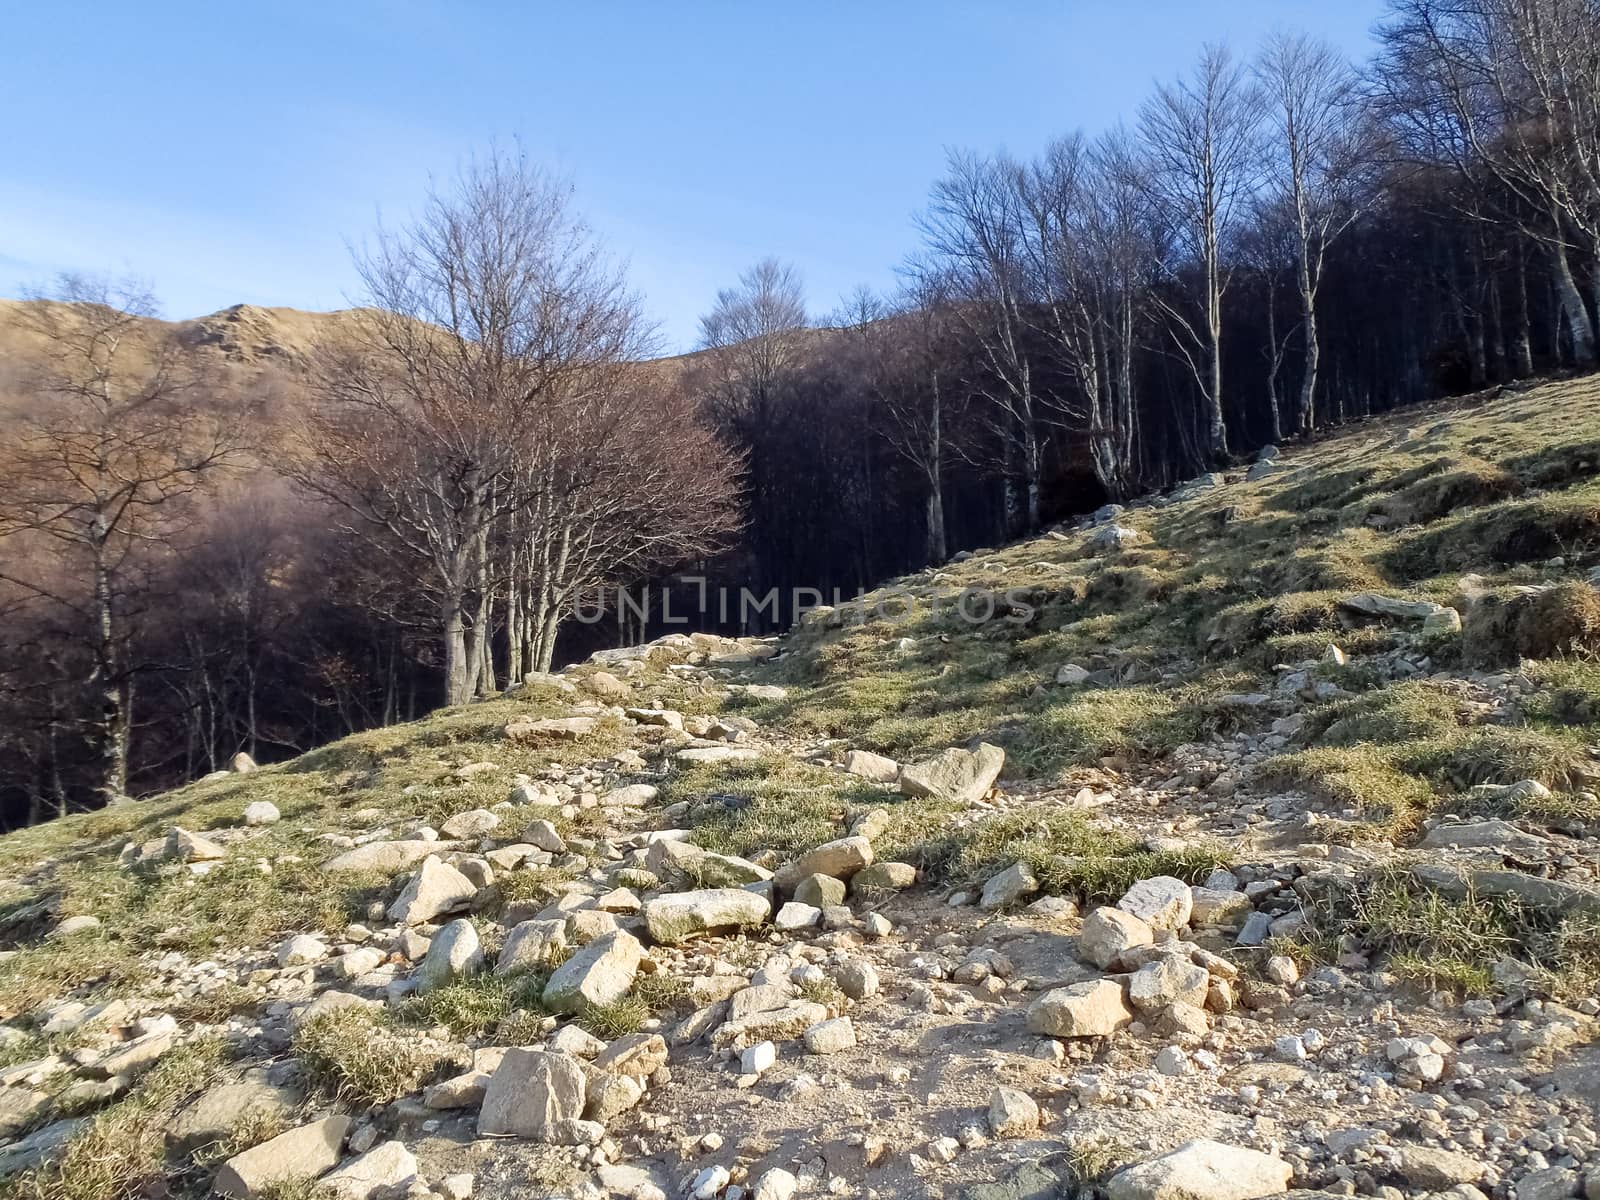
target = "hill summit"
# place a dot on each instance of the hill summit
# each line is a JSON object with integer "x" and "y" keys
{"x": 1239, "y": 841}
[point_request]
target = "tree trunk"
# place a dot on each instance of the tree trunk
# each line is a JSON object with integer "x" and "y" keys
{"x": 457, "y": 673}
{"x": 110, "y": 692}
{"x": 1522, "y": 333}
{"x": 1573, "y": 311}
{"x": 1274, "y": 361}
{"x": 937, "y": 550}
{"x": 1594, "y": 290}
{"x": 1313, "y": 348}
{"x": 514, "y": 585}
{"x": 1032, "y": 476}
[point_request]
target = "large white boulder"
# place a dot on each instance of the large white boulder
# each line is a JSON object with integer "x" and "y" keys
{"x": 1202, "y": 1170}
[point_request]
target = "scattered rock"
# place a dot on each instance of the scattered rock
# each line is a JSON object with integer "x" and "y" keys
{"x": 380, "y": 1170}
{"x": 454, "y": 953}
{"x": 1108, "y": 933}
{"x": 1217, "y": 906}
{"x": 75, "y": 925}
{"x": 1435, "y": 1169}
{"x": 1096, "y": 1008}
{"x": 883, "y": 877}
{"x": 837, "y": 859}
{"x": 872, "y": 766}
{"x": 963, "y": 776}
{"x": 1281, "y": 969}
{"x": 1011, "y": 885}
{"x": 300, "y": 950}
{"x": 19, "y": 1107}
{"x": 192, "y": 848}
{"x": 301, "y": 1153}
{"x": 437, "y": 888}
{"x": 774, "y": 1184}
{"x": 226, "y": 1108}
{"x": 820, "y": 891}
{"x": 756, "y": 1059}
{"x": 473, "y": 824}
{"x": 1012, "y": 1113}
{"x": 1166, "y": 981}
{"x": 634, "y": 795}
{"x": 830, "y": 1037}
{"x": 1162, "y": 902}
{"x": 597, "y": 975}
{"x": 1552, "y": 1183}
{"x": 531, "y": 1093}
{"x": 678, "y": 917}
{"x": 386, "y": 858}
{"x": 795, "y": 916}
{"x": 531, "y": 944}
{"x": 700, "y": 755}
{"x": 638, "y": 1055}
{"x": 857, "y": 979}
{"x": 609, "y": 1096}
{"x": 550, "y": 729}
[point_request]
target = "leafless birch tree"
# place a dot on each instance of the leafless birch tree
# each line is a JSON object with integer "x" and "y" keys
{"x": 1319, "y": 163}
{"x": 1201, "y": 136}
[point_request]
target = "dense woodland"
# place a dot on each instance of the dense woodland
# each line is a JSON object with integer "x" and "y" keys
{"x": 200, "y": 557}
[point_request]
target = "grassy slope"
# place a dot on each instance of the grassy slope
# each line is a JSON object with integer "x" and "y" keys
{"x": 1247, "y": 576}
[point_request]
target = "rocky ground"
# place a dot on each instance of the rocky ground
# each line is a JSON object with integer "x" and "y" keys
{"x": 1206, "y": 971}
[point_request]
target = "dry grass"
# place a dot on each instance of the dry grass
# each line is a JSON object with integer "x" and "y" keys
{"x": 1561, "y": 621}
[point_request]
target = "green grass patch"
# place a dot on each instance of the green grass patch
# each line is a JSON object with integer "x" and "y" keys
{"x": 1400, "y": 713}
{"x": 1499, "y": 754}
{"x": 475, "y": 1006}
{"x": 357, "y": 1055}
{"x": 1363, "y": 780}
{"x": 1509, "y": 532}
{"x": 625, "y": 1016}
{"x": 121, "y": 1153}
{"x": 775, "y": 803}
{"x": 1068, "y": 854}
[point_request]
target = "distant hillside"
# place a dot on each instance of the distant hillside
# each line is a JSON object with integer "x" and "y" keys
{"x": 243, "y": 336}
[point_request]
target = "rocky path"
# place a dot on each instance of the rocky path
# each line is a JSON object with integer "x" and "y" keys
{"x": 830, "y": 1024}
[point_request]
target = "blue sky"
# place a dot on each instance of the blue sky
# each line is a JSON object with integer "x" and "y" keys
{"x": 228, "y": 153}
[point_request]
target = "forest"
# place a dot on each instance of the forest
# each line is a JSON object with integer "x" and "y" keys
{"x": 206, "y": 553}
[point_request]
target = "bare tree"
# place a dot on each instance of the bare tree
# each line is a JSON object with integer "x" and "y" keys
{"x": 627, "y": 480}
{"x": 1201, "y": 135}
{"x": 1511, "y": 89}
{"x": 492, "y": 314}
{"x": 1271, "y": 249}
{"x": 1087, "y": 262}
{"x": 754, "y": 339}
{"x": 109, "y": 441}
{"x": 911, "y": 366}
{"x": 1125, "y": 267}
{"x": 1322, "y": 148}
{"x": 976, "y": 229}
{"x": 753, "y": 334}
